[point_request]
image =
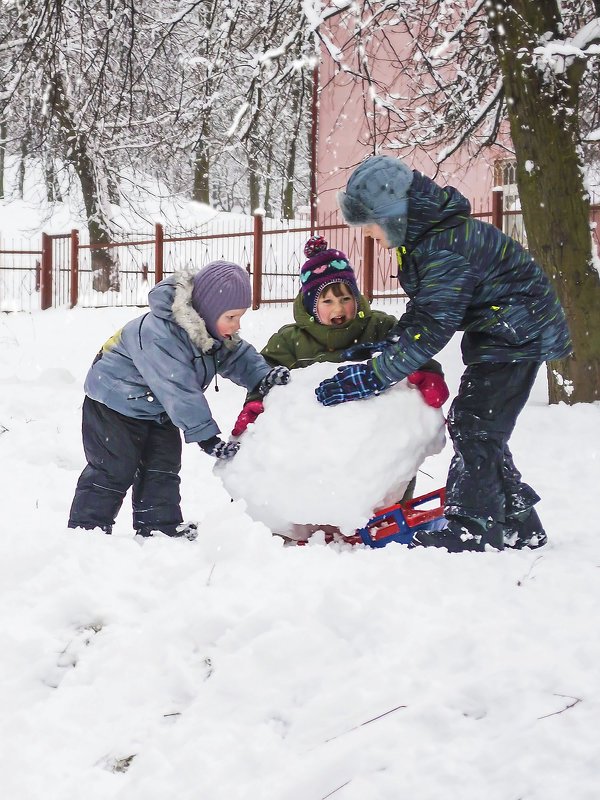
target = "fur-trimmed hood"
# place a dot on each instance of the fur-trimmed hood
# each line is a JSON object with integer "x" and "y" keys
{"x": 172, "y": 299}
{"x": 159, "y": 365}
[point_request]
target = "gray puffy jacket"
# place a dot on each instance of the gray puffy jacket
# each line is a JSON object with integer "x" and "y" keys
{"x": 159, "y": 365}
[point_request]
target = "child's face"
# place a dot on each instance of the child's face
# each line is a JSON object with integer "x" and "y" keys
{"x": 376, "y": 232}
{"x": 229, "y": 322}
{"x": 333, "y": 309}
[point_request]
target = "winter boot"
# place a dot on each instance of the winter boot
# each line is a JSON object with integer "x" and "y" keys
{"x": 524, "y": 529}
{"x": 463, "y": 534}
{"x": 90, "y": 527}
{"x": 189, "y": 530}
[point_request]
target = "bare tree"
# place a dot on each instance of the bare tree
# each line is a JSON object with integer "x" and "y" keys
{"x": 56, "y": 59}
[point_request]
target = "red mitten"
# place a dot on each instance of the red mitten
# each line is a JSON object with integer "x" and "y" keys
{"x": 247, "y": 416}
{"x": 432, "y": 387}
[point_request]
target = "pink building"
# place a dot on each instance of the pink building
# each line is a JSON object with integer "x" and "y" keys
{"x": 350, "y": 127}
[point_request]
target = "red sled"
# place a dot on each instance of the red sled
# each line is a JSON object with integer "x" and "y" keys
{"x": 398, "y": 523}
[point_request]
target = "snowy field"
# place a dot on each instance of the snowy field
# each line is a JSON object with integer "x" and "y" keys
{"x": 233, "y": 667}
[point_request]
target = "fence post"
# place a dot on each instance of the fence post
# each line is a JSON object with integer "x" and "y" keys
{"x": 498, "y": 208}
{"x": 257, "y": 262}
{"x": 46, "y": 273}
{"x": 314, "y": 132}
{"x": 74, "y": 289}
{"x": 159, "y": 238}
{"x": 368, "y": 266}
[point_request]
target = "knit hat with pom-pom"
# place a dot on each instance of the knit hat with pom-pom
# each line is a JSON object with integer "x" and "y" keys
{"x": 323, "y": 267}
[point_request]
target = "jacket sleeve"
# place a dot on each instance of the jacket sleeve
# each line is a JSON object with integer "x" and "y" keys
{"x": 243, "y": 365}
{"x": 436, "y": 312}
{"x": 277, "y": 352}
{"x": 167, "y": 366}
{"x": 384, "y": 324}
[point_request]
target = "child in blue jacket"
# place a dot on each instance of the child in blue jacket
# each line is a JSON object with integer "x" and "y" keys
{"x": 460, "y": 274}
{"x": 148, "y": 382}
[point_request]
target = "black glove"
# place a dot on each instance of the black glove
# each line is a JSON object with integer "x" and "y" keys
{"x": 218, "y": 448}
{"x": 278, "y": 376}
{"x": 360, "y": 352}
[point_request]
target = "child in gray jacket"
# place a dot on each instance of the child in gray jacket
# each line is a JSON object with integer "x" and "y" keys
{"x": 148, "y": 382}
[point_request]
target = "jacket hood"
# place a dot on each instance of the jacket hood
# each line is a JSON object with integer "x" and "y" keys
{"x": 433, "y": 208}
{"x": 171, "y": 299}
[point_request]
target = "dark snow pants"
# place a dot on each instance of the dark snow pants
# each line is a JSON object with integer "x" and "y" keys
{"x": 123, "y": 452}
{"x": 483, "y": 482}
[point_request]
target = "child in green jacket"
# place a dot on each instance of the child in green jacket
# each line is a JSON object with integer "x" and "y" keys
{"x": 331, "y": 315}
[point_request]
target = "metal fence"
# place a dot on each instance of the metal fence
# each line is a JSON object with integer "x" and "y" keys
{"x": 59, "y": 273}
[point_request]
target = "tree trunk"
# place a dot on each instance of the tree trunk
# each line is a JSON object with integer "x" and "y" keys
{"x": 288, "y": 189}
{"x": 253, "y": 183}
{"x": 267, "y": 200}
{"x": 555, "y": 204}
{"x": 290, "y": 167}
{"x": 201, "y": 190}
{"x": 104, "y": 266}
{"x": 53, "y": 192}
{"x": 3, "y": 132}
{"x": 113, "y": 191}
{"x": 23, "y": 153}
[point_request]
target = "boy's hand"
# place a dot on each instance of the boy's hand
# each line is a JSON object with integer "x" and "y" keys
{"x": 278, "y": 376}
{"x": 353, "y": 382}
{"x": 219, "y": 449}
{"x": 360, "y": 352}
{"x": 432, "y": 387}
{"x": 247, "y": 416}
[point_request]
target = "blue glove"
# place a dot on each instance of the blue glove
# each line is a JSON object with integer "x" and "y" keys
{"x": 219, "y": 449}
{"x": 360, "y": 352}
{"x": 278, "y": 376}
{"x": 352, "y": 382}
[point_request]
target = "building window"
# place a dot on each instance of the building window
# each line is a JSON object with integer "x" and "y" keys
{"x": 505, "y": 175}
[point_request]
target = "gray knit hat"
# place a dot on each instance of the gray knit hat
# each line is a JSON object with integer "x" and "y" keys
{"x": 218, "y": 287}
{"x": 378, "y": 191}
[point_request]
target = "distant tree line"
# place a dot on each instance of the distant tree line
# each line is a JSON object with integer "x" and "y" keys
{"x": 110, "y": 92}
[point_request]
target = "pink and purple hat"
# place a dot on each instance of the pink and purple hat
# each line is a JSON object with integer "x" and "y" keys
{"x": 323, "y": 267}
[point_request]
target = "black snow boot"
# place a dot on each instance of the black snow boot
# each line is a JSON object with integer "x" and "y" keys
{"x": 463, "y": 534}
{"x": 189, "y": 530}
{"x": 524, "y": 530}
{"x": 90, "y": 527}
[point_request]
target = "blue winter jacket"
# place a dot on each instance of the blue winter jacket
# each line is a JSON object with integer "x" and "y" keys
{"x": 159, "y": 364}
{"x": 464, "y": 274}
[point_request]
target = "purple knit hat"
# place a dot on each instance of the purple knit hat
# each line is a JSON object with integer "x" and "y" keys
{"x": 218, "y": 287}
{"x": 324, "y": 267}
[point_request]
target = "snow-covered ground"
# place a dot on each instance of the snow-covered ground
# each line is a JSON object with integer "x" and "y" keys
{"x": 234, "y": 667}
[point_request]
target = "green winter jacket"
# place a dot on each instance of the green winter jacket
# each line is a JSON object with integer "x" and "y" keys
{"x": 306, "y": 342}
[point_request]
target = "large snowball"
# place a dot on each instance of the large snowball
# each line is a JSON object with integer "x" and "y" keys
{"x": 302, "y": 463}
